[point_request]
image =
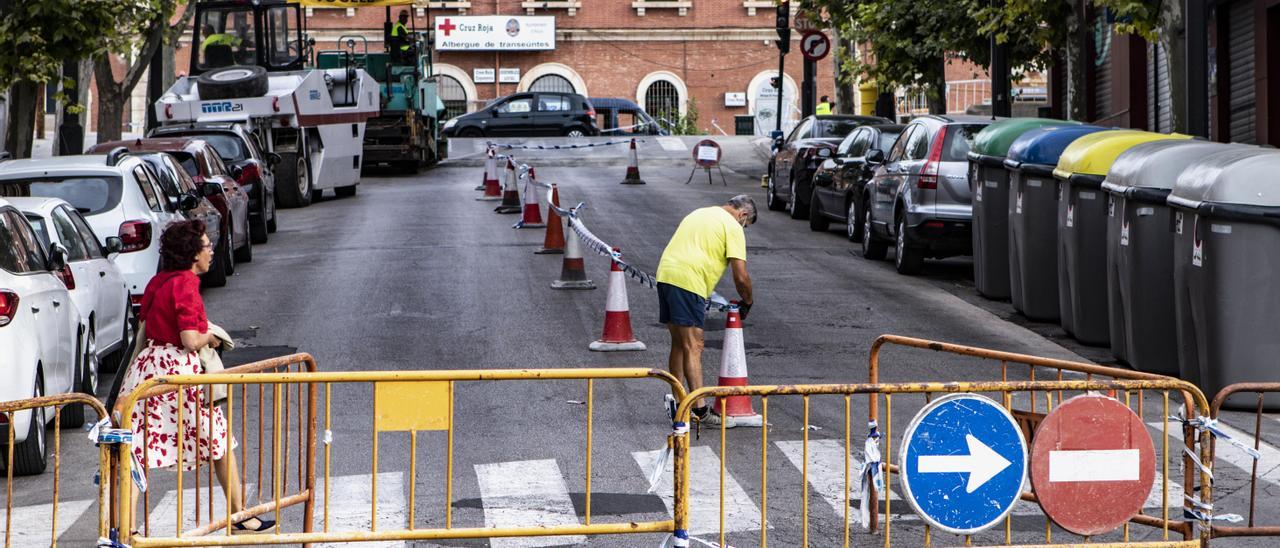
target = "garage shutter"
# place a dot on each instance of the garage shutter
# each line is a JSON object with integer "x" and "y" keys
{"x": 1240, "y": 83}
{"x": 1159, "y": 111}
{"x": 1101, "y": 58}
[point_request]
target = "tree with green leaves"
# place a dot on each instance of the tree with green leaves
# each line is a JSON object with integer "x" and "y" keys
{"x": 148, "y": 25}
{"x": 1159, "y": 22}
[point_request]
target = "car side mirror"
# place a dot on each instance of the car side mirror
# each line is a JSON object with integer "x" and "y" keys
{"x": 824, "y": 153}
{"x": 211, "y": 189}
{"x": 57, "y": 257}
{"x": 274, "y": 159}
{"x": 493, "y": 113}
{"x": 839, "y": 161}
{"x": 114, "y": 245}
{"x": 236, "y": 172}
{"x": 875, "y": 156}
{"x": 188, "y": 201}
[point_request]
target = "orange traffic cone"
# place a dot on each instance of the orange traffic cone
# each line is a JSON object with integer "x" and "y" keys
{"x": 490, "y": 184}
{"x": 532, "y": 217}
{"x": 553, "y": 242}
{"x": 617, "y": 316}
{"x": 735, "y": 410}
{"x": 572, "y": 273}
{"x": 633, "y": 168}
{"x": 510, "y": 194}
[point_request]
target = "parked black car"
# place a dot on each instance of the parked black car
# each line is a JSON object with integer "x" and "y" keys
{"x": 797, "y": 157}
{"x": 624, "y": 117}
{"x": 839, "y": 180}
{"x": 530, "y": 114}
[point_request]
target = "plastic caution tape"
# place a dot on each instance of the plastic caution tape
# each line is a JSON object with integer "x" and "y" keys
{"x": 599, "y": 246}
{"x": 561, "y": 147}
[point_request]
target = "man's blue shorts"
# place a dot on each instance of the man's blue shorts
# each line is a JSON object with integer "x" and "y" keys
{"x": 680, "y": 307}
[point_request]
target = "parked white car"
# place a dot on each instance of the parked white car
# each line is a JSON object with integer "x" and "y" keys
{"x": 41, "y": 335}
{"x": 118, "y": 194}
{"x": 96, "y": 284}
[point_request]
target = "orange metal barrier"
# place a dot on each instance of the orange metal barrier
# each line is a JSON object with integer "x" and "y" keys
{"x": 36, "y": 407}
{"x": 1251, "y": 529}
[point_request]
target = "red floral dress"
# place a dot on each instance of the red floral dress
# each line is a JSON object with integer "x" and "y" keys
{"x": 170, "y": 305}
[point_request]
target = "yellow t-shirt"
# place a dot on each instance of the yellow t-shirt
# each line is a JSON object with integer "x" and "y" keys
{"x": 700, "y": 249}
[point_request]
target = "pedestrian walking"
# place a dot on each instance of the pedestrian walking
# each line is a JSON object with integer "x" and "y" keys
{"x": 176, "y": 330}
{"x": 707, "y": 240}
{"x": 824, "y": 106}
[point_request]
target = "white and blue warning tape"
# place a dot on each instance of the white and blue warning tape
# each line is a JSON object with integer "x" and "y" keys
{"x": 509, "y": 146}
{"x": 1206, "y": 424}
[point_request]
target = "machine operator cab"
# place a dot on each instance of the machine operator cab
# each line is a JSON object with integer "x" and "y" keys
{"x": 265, "y": 33}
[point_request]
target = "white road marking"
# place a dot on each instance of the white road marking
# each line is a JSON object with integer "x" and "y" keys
{"x": 33, "y": 524}
{"x": 1269, "y": 462}
{"x": 163, "y": 517}
{"x": 524, "y": 494}
{"x": 1093, "y": 465}
{"x": 352, "y": 502}
{"x": 673, "y": 144}
{"x": 826, "y": 458}
{"x": 1175, "y": 494}
{"x": 740, "y": 512}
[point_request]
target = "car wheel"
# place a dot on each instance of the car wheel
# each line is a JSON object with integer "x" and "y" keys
{"x": 872, "y": 249}
{"x": 908, "y": 260}
{"x": 244, "y": 253}
{"x": 294, "y": 176}
{"x": 795, "y": 209}
{"x": 853, "y": 221}
{"x": 575, "y": 132}
{"x": 73, "y": 414}
{"x": 771, "y": 198}
{"x": 348, "y": 191}
{"x": 221, "y": 267}
{"x": 471, "y": 132}
{"x": 817, "y": 221}
{"x": 258, "y": 225}
{"x": 115, "y": 362}
{"x": 32, "y": 455}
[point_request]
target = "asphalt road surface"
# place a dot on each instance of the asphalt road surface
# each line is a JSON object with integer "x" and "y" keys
{"x": 415, "y": 274}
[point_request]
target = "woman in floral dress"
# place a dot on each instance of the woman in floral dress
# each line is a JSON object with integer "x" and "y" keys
{"x": 176, "y": 329}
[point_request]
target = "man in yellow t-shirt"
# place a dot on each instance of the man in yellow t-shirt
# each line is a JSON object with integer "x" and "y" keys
{"x": 706, "y": 241}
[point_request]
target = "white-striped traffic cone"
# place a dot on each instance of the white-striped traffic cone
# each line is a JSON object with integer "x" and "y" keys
{"x": 510, "y": 193}
{"x": 735, "y": 410}
{"x": 572, "y": 273}
{"x": 553, "y": 240}
{"x": 617, "y": 316}
{"x": 490, "y": 184}
{"x": 633, "y": 168}
{"x": 532, "y": 217}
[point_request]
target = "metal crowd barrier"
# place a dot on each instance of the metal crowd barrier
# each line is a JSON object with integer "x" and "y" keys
{"x": 1029, "y": 418}
{"x": 8, "y": 410}
{"x": 1251, "y": 529}
{"x": 403, "y": 401}
{"x": 1007, "y": 389}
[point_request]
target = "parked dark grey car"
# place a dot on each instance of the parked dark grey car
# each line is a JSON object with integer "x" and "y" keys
{"x": 839, "y": 181}
{"x": 919, "y": 196}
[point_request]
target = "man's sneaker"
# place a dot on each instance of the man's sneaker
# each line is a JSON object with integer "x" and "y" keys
{"x": 700, "y": 414}
{"x": 711, "y": 418}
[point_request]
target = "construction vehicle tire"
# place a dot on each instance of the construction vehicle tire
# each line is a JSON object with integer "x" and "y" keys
{"x": 233, "y": 82}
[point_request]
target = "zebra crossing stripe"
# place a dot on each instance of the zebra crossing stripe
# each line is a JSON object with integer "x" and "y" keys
{"x": 524, "y": 494}
{"x": 163, "y": 517}
{"x": 740, "y": 512}
{"x": 1267, "y": 463}
{"x": 33, "y": 525}
{"x": 826, "y": 458}
{"x": 352, "y": 502}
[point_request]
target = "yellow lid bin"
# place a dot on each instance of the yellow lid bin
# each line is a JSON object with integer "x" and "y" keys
{"x": 1083, "y": 210}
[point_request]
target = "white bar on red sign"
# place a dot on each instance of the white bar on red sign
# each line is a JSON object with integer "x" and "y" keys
{"x": 1094, "y": 465}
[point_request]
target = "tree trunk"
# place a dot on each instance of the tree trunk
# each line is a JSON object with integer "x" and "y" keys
{"x": 22, "y": 119}
{"x": 1077, "y": 84}
{"x": 111, "y": 98}
{"x": 1173, "y": 38}
{"x": 936, "y": 91}
{"x": 846, "y": 83}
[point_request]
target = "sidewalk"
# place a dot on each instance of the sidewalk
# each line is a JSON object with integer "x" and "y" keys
{"x": 43, "y": 148}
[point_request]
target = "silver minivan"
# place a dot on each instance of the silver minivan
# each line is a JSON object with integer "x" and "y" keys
{"x": 919, "y": 195}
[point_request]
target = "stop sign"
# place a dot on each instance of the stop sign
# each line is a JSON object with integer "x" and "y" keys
{"x": 1092, "y": 464}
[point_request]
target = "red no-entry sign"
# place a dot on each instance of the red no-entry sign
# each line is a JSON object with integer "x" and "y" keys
{"x": 1092, "y": 464}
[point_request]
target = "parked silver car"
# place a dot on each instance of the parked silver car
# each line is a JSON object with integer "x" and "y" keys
{"x": 919, "y": 194}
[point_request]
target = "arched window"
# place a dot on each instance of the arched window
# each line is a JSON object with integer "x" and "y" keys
{"x": 662, "y": 100}
{"x": 452, "y": 95}
{"x": 552, "y": 82}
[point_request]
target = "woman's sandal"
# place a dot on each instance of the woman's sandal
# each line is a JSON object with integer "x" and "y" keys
{"x": 263, "y": 525}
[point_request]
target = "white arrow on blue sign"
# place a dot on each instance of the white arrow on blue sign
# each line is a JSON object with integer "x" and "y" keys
{"x": 963, "y": 463}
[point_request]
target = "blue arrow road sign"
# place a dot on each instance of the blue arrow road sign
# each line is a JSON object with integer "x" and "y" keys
{"x": 963, "y": 463}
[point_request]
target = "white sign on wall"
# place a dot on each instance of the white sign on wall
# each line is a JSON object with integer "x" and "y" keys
{"x": 735, "y": 99}
{"x": 509, "y": 75}
{"x": 482, "y": 75}
{"x": 495, "y": 33}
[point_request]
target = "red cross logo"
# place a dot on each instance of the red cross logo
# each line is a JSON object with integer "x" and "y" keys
{"x": 447, "y": 26}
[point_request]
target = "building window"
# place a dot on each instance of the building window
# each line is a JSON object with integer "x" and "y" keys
{"x": 452, "y": 95}
{"x": 553, "y": 83}
{"x": 662, "y": 101}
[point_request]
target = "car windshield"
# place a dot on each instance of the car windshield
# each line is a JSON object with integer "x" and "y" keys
{"x": 188, "y": 163}
{"x": 90, "y": 195}
{"x": 833, "y": 129}
{"x": 959, "y": 140}
{"x": 227, "y": 37}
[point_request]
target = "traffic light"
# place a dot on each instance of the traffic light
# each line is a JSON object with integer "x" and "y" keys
{"x": 783, "y": 26}
{"x": 775, "y": 82}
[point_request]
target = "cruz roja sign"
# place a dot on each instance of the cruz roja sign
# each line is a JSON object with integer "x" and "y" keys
{"x": 495, "y": 33}
{"x": 963, "y": 463}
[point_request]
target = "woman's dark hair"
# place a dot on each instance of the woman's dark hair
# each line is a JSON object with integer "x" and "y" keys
{"x": 180, "y": 244}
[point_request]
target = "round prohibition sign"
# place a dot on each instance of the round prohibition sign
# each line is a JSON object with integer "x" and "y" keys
{"x": 814, "y": 45}
{"x": 706, "y": 153}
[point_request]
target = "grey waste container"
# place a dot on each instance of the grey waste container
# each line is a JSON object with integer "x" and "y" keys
{"x": 1140, "y": 251}
{"x": 1226, "y": 241}
{"x": 1082, "y": 230}
{"x": 1033, "y": 227}
{"x": 989, "y": 185}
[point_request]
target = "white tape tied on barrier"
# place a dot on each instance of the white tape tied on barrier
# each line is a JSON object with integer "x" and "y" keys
{"x": 562, "y": 147}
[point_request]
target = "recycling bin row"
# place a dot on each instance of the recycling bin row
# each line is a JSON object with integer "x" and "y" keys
{"x": 1160, "y": 246}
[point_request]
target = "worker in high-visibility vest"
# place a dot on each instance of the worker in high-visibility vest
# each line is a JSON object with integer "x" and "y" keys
{"x": 400, "y": 43}
{"x": 824, "y": 106}
{"x": 215, "y": 38}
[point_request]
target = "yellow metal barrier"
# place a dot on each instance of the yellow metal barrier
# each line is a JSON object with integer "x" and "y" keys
{"x": 403, "y": 401}
{"x": 1007, "y": 389}
{"x": 36, "y": 408}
